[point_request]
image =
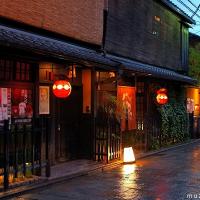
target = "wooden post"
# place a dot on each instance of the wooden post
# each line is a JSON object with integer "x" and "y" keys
{"x": 6, "y": 154}
{"x": 48, "y": 168}
{"x": 93, "y": 104}
{"x": 40, "y": 137}
{"x": 33, "y": 132}
{"x": 107, "y": 139}
{"x": 16, "y": 150}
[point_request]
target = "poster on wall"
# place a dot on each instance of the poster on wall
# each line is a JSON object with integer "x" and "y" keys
{"x": 5, "y": 105}
{"x": 44, "y": 100}
{"x": 22, "y": 108}
{"x": 127, "y": 99}
{"x": 190, "y": 105}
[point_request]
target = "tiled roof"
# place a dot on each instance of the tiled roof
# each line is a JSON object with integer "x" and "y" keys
{"x": 48, "y": 46}
{"x": 60, "y": 49}
{"x": 151, "y": 70}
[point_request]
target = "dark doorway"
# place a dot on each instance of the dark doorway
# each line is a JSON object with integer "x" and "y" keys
{"x": 68, "y": 121}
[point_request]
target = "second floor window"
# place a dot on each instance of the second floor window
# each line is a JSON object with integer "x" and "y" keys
{"x": 22, "y": 71}
{"x": 11, "y": 70}
{"x": 156, "y": 25}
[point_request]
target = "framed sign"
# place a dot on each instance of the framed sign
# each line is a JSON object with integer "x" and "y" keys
{"x": 5, "y": 105}
{"x": 44, "y": 108}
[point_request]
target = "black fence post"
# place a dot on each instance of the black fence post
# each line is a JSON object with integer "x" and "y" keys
{"x": 40, "y": 138}
{"x": 38, "y": 132}
{"x": 191, "y": 125}
{"x": 48, "y": 168}
{"x": 198, "y": 127}
{"x": 16, "y": 150}
{"x": 146, "y": 134}
{"x": 6, "y": 154}
{"x": 33, "y": 146}
{"x": 107, "y": 140}
{"x": 24, "y": 149}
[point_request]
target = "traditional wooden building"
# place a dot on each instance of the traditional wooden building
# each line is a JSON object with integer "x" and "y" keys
{"x": 114, "y": 54}
{"x": 41, "y": 43}
{"x": 149, "y": 39}
{"x": 193, "y": 98}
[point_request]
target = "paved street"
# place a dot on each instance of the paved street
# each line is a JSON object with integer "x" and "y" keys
{"x": 170, "y": 175}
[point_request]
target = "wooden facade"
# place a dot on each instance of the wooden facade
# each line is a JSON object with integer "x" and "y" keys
{"x": 38, "y": 130}
{"x": 148, "y": 32}
{"x": 110, "y": 106}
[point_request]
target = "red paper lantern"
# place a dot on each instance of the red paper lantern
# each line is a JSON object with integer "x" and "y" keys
{"x": 62, "y": 88}
{"x": 162, "y": 97}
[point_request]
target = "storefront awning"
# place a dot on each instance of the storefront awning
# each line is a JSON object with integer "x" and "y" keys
{"x": 151, "y": 70}
{"x": 36, "y": 43}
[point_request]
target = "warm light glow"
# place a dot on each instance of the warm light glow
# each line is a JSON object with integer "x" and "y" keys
{"x": 59, "y": 87}
{"x": 62, "y": 89}
{"x": 129, "y": 180}
{"x": 162, "y": 97}
{"x": 129, "y": 169}
{"x": 196, "y": 107}
{"x": 111, "y": 74}
{"x": 129, "y": 156}
{"x": 71, "y": 72}
{"x": 157, "y": 18}
{"x": 54, "y": 87}
{"x": 66, "y": 87}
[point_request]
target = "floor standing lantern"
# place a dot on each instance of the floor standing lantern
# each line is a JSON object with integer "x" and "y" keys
{"x": 129, "y": 156}
{"x": 62, "y": 88}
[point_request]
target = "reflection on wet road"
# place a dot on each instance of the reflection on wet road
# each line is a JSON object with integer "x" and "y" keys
{"x": 170, "y": 175}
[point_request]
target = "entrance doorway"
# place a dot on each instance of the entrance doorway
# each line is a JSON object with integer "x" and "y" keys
{"x": 68, "y": 118}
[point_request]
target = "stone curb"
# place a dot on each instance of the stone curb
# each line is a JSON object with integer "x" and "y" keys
{"x": 144, "y": 155}
{"x": 46, "y": 182}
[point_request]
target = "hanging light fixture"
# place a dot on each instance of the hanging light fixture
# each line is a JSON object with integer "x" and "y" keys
{"x": 62, "y": 88}
{"x": 162, "y": 97}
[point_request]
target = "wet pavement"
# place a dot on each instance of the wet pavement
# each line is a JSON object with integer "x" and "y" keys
{"x": 170, "y": 175}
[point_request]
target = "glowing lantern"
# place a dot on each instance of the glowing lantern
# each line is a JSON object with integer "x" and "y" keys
{"x": 162, "y": 97}
{"x": 62, "y": 89}
{"x": 129, "y": 156}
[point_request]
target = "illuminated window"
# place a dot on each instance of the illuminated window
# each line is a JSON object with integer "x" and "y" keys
{"x": 157, "y": 18}
{"x": 156, "y": 25}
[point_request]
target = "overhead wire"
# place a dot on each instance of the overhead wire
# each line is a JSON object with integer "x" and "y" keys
{"x": 192, "y": 3}
{"x": 195, "y": 12}
{"x": 188, "y": 8}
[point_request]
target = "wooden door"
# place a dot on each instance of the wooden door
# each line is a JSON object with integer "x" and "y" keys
{"x": 69, "y": 112}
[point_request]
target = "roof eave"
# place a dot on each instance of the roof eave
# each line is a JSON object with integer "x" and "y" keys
{"x": 178, "y": 11}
